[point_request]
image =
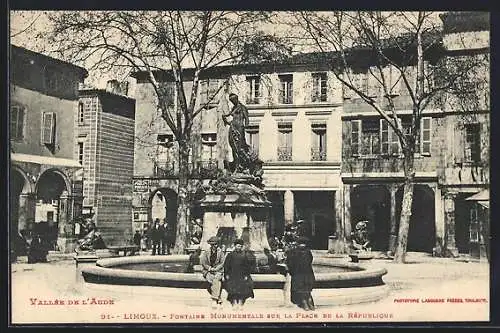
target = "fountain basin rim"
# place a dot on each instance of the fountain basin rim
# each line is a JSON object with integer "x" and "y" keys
{"x": 105, "y": 270}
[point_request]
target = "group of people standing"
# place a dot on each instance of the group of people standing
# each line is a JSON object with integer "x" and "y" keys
{"x": 159, "y": 236}
{"x": 233, "y": 273}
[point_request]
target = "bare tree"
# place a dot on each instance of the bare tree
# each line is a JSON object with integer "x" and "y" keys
{"x": 155, "y": 43}
{"x": 399, "y": 49}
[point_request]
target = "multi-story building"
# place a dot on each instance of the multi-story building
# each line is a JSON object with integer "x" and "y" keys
{"x": 104, "y": 135}
{"x": 451, "y": 161}
{"x": 328, "y": 157}
{"x": 45, "y": 176}
{"x": 71, "y": 151}
{"x": 294, "y": 125}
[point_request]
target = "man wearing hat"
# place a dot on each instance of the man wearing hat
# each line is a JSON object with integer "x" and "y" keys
{"x": 299, "y": 264}
{"x": 212, "y": 262}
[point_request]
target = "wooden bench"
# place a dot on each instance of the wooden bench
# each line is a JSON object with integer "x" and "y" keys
{"x": 116, "y": 249}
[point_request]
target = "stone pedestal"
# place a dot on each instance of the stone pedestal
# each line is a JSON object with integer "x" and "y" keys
{"x": 66, "y": 244}
{"x": 231, "y": 216}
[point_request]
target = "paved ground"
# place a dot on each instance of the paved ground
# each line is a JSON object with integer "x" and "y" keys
{"x": 425, "y": 289}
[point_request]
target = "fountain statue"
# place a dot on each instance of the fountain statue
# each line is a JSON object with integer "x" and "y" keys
{"x": 235, "y": 205}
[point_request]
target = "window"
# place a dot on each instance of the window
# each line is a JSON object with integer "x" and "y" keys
{"x": 165, "y": 139}
{"x": 209, "y": 91}
{"x": 472, "y": 143}
{"x": 286, "y": 86}
{"x": 285, "y": 142}
{"x": 253, "y": 90}
{"x": 80, "y": 153}
{"x": 370, "y": 138}
{"x": 209, "y": 146}
{"x": 319, "y": 87}
{"x": 355, "y": 136}
{"x": 208, "y": 164}
{"x": 81, "y": 114}
{"x": 318, "y": 147}
{"x": 252, "y": 137}
{"x": 17, "y": 113}
{"x": 165, "y": 162}
{"x": 48, "y": 128}
{"x": 425, "y": 136}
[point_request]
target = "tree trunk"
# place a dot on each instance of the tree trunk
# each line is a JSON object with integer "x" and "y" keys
{"x": 182, "y": 236}
{"x": 404, "y": 221}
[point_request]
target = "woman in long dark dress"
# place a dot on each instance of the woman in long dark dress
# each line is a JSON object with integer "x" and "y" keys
{"x": 299, "y": 262}
{"x": 238, "y": 281}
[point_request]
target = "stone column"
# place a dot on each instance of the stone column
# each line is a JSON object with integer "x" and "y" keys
{"x": 338, "y": 245}
{"x": 26, "y": 213}
{"x": 449, "y": 217}
{"x": 347, "y": 217}
{"x": 393, "y": 231}
{"x": 288, "y": 207}
{"x": 66, "y": 239}
{"x": 439, "y": 221}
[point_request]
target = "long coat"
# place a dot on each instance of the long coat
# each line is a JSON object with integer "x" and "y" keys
{"x": 238, "y": 281}
{"x": 299, "y": 263}
{"x": 217, "y": 268}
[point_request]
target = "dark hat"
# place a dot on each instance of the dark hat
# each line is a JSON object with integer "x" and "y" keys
{"x": 302, "y": 240}
{"x": 239, "y": 241}
{"x": 213, "y": 240}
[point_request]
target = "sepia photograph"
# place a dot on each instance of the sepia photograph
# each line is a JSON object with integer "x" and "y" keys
{"x": 263, "y": 167}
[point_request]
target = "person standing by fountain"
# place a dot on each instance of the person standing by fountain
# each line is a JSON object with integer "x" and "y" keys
{"x": 212, "y": 262}
{"x": 238, "y": 281}
{"x": 299, "y": 262}
{"x": 157, "y": 235}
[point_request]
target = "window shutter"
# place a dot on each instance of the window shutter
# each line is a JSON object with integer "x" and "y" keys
{"x": 384, "y": 136}
{"x": 458, "y": 144}
{"x": 355, "y": 136}
{"x": 48, "y": 128}
{"x": 290, "y": 92}
{"x": 395, "y": 144}
{"x": 425, "y": 135}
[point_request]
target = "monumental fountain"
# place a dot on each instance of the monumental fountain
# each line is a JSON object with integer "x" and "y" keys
{"x": 235, "y": 206}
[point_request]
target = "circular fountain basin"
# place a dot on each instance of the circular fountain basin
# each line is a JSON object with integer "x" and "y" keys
{"x": 167, "y": 271}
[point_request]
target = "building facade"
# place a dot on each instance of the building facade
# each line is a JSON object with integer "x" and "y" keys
{"x": 328, "y": 157}
{"x": 451, "y": 161}
{"x": 294, "y": 125}
{"x": 104, "y": 146}
{"x": 45, "y": 176}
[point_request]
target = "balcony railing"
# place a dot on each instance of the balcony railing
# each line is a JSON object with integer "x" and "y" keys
{"x": 164, "y": 169}
{"x": 318, "y": 154}
{"x": 284, "y": 153}
{"x": 208, "y": 168}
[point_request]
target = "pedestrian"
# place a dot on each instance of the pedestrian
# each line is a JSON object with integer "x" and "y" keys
{"x": 167, "y": 239}
{"x": 299, "y": 263}
{"x": 137, "y": 238}
{"x": 212, "y": 262}
{"x": 238, "y": 281}
{"x": 156, "y": 236}
{"x": 146, "y": 237}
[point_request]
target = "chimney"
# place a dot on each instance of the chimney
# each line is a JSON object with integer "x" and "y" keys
{"x": 116, "y": 87}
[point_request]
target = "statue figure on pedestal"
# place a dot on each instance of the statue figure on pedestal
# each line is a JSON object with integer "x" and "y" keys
{"x": 245, "y": 160}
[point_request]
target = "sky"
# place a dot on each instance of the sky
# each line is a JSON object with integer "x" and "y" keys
{"x": 25, "y": 25}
